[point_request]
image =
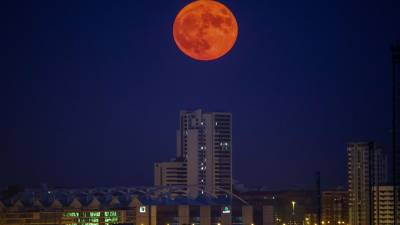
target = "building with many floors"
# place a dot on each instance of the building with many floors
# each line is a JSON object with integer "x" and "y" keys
{"x": 383, "y": 205}
{"x": 367, "y": 167}
{"x": 335, "y": 209}
{"x": 204, "y": 152}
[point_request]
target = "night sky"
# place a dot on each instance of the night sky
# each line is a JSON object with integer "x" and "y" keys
{"x": 91, "y": 90}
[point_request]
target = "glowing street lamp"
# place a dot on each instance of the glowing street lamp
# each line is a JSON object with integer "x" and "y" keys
{"x": 293, "y": 206}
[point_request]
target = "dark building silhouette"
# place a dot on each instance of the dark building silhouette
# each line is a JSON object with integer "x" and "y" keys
{"x": 396, "y": 128}
{"x": 335, "y": 208}
{"x": 290, "y": 207}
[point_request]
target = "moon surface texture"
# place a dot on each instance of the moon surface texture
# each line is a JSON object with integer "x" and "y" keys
{"x": 205, "y": 30}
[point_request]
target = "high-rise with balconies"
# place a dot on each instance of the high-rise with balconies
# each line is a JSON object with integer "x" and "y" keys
{"x": 367, "y": 167}
{"x": 204, "y": 144}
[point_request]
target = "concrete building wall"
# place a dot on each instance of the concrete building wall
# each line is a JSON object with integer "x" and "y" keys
{"x": 169, "y": 173}
{"x": 209, "y": 153}
{"x": 138, "y": 214}
{"x": 142, "y": 217}
{"x": 204, "y": 143}
{"x": 205, "y": 215}
{"x": 335, "y": 207}
{"x": 247, "y": 215}
{"x": 183, "y": 215}
{"x": 366, "y": 167}
{"x": 383, "y": 205}
{"x": 213, "y": 143}
{"x": 222, "y": 151}
{"x": 268, "y": 215}
{"x": 193, "y": 167}
{"x": 153, "y": 215}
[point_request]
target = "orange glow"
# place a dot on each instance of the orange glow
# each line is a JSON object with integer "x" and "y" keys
{"x": 205, "y": 30}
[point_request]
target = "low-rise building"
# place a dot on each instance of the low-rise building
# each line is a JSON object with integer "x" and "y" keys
{"x": 139, "y": 206}
{"x": 335, "y": 207}
{"x": 383, "y": 205}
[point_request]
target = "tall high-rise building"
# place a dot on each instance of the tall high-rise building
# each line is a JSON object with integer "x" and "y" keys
{"x": 396, "y": 130}
{"x": 367, "y": 167}
{"x": 204, "y": 144}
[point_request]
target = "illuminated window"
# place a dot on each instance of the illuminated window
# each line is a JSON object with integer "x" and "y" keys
{"x": 110, "y": 217}
{"x": 110, "y": 213}
{"x": 94, "y": 214}
{"x": 142, "y": 209}
{"x": 71, "y": 214}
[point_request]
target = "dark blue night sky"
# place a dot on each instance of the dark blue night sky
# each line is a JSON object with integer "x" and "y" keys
{"x": 92, "y": 89}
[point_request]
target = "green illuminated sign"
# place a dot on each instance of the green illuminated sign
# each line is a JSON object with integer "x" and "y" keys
{"x": 71, "y": 214}
{"x": 94, "y": 214}
{"x": 92, "y": 218}
{"x": 226, "y": 210}
{"x": 111, "y": 213}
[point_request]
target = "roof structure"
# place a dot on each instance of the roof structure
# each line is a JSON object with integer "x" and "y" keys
{"x": 101, "y": 198}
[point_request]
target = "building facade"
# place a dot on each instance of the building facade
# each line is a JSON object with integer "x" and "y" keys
{"x": 396, "y": 127}
{"x": 335, "y": 208}
{"x": 367, "y": 167}
{"x": 204, "y": 145}
{"x": 383, "y": 205}
{"x": 172, "y": 173}
{"x": 290, "y": 206}
{"x": 133, "y": 206}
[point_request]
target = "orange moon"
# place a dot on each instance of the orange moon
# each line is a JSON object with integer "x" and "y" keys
{"x": 205, "y": 30}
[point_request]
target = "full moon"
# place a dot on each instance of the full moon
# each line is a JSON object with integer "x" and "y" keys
{"x": 205, "y": 30}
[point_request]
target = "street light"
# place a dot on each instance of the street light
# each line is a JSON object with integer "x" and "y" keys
{"x": 293, "y": 206}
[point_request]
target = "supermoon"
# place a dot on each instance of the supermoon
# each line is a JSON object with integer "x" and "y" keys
{"x": 205, "y": 30}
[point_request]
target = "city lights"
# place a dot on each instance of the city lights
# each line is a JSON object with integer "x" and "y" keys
{"x": 91, "y": 218}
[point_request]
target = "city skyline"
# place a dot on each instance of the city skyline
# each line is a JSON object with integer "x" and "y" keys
{"x": 88, "y": 86}
{"x": 200, "y": 112}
